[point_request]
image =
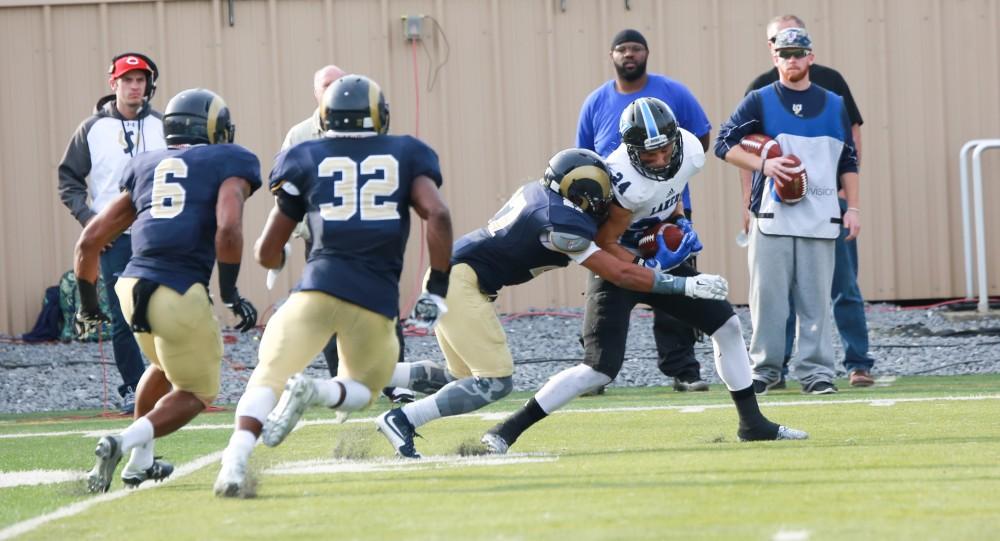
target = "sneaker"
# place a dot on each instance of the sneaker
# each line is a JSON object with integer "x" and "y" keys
{"x": 159, "y": 471}
{"x": 229, "y": 483}
{"x": 109, "y": 454}
{"x": 300, "y": 391}
{"x": 495, "y": 444}
{"x": 780, "y": 385}
{"x": 128, "y": 401}
{"x": 819, "y": 387}
{"x": 399, "y": 395}
{"x": 595, "y": 392}
{"x": 860, "y": 378}
{"x": 396, "y": 428}
{"x": 767, "y": 433}
{"x": 684, "y": 386}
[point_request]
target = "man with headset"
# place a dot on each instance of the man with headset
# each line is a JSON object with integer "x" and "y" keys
{"x": 123, "y": 125}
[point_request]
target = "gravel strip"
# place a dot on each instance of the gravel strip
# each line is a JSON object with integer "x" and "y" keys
{"x": 57, "y": 376}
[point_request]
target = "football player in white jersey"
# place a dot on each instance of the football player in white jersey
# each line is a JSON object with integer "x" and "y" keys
{"x": 651, "y": 167}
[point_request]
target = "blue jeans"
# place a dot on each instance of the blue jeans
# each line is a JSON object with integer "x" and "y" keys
{"x": 128, "y": 358}
{"x": 848, "y": 307}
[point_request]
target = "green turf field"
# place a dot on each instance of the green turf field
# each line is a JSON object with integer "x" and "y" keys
{"x": 916, "y": 458}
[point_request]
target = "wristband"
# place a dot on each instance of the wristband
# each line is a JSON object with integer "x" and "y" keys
{"x": 437, "y": 283}
{"x": 227, "y": 281}
{"x": 855, "y": 209}
{"x": 668, "y": 284}
{"x": 762, "y": 162}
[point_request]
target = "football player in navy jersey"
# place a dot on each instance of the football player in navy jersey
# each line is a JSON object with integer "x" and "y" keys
{"x": 185, "y": 207}
{"x": 355, "y": 186}
{"x": 651, "y": 168}
{"x": 545, "y": 225}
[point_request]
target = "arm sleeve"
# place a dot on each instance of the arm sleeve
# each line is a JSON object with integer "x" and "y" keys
{"x": 745, "y": 120}
{"x": 849, "y": 154}
{"x": 73, "y": 171}
{"x": 585, "y": 127}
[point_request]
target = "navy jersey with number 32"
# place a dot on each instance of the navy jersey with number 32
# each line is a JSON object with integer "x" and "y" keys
{"x": 512, "y": 248}
{"x": 356, "y": 195}
{"x": 174, "y": 192}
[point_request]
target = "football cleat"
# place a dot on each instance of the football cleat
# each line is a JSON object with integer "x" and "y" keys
{"x": 396, "y": 428}
{"x": 232, "y": 477}
{"x": 782, "y": 433}
{"x": 109, "y": 454}
{"x": 495, "y": 444}
{"x": 159, "y": 471}
{"x": 399, "y": 395}
{"x": 300, "y": 392}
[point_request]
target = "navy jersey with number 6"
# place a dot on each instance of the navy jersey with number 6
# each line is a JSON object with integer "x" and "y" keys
{"x": 515, "y": 246}
{"x": 355, "y": 193}
{"x": 174, "y": 192}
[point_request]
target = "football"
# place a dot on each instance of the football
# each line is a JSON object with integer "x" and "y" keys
{"x": 760, "y": 145}
{"x": 794, "y": 190}
{"x": 672, "y": 236}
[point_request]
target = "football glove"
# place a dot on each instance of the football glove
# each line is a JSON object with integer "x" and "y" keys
{"x": 245, "y": 311}
{"x": 706, "y": 286}
{"x": 666, "y": 259}
{"x": 89, "y": 314}
{"x": 428, "y": 309}
{"x": 272, "y": 274}
{"x": 688, "y": 228}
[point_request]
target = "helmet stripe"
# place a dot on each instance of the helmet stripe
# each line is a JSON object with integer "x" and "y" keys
{"x": 213, "y": 117}
{"x": 647, "y": 118}
{"x": 373, "y": 94}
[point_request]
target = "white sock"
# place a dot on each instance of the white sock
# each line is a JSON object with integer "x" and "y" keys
{"x": 256, "y": 403}
{"x": 137, "y": 433}
{"x": 240, "y": 445}
{"x": 731, "y": 359}
{"x": 142, "y": 457}
{"x": 400, "y": 376}
{"x": 563, "y": 387}
{"x": 343, "y": 394}
{"x": 422, "y": 411}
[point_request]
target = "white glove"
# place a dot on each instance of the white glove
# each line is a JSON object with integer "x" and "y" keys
{"x": 272, "y": 274}
{"x": 706, "y": 286}
{"x": 427, "y": 311}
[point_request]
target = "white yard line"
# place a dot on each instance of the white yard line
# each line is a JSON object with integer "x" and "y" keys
{"x": 496, "y": 416}
{"x": 75, "y": 508}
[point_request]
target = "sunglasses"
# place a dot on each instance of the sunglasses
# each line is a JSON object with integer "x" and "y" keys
{"x": 793, "y": 53}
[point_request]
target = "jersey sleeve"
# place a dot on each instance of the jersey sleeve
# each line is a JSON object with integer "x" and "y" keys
{"x": 286, "y": 173}
{"x": 745, "y": 120}
{"x": 240, "y": 162}
{"x": 424, "y": 161}
{"x": 567, "y": 220}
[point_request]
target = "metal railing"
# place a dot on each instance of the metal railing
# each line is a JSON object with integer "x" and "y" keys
{"x": 976, "y": 146}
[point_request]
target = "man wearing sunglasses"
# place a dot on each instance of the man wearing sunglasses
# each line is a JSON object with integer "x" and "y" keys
{"x": 848, "y": 303}
{"x": 791, "y": 250}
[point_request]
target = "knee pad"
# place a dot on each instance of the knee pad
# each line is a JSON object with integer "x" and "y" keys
{"x": 256, "y": 402}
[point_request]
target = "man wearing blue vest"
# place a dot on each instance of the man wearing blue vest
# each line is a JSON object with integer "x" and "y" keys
{"x": 791, "y": 248}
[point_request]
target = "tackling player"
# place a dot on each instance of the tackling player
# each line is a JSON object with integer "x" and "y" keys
{"x": 545, "y": 225}
{"x": 651, "y": 168}
{"x": 185, "y": 207}
{"x": 355, "y": 186}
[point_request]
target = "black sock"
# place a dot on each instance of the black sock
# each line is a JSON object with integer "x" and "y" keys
{"x": 751, "y": 419}
{"x": 512, "y": 427}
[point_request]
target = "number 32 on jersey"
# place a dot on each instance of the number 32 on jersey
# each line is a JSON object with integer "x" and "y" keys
{"x": 384, "y": 182}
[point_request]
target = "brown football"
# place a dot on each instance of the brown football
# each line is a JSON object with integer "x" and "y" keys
{"x": 672, "y": 236}
{"x": 794, "y": 190}
{"x": 759, "y": 144}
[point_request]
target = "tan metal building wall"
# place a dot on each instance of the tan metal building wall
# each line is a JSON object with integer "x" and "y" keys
{"x": 508, "y": 80}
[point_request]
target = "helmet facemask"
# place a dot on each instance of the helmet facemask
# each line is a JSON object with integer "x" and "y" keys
{"x": 648, "y": 124}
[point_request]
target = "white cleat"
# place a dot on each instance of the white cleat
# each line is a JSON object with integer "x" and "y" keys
{"x": 786, "y": 433}
{"x": 495, "y": 444}
{"x": 300, "y": 392}
{"x": 109, "y": 454}
{"x": 232, "y": 476}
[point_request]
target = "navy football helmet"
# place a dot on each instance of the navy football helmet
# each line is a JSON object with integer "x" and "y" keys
{"x": 582, "y": 177}
{"x": 197, "y": 116}
{"x": 354, "y": 103}
{"x": 649, "y": 124}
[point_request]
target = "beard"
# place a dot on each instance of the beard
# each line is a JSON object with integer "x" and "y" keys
{"x": 797, "y": 76}
{"x": 631, "y": 74}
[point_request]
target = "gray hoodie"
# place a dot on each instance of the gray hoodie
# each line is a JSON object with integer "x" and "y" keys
{"x": 100, "y": 148}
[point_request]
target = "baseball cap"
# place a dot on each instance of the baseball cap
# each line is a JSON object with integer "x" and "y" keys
{"x": 793, "y": 38}
{"x": 129, "y": 62}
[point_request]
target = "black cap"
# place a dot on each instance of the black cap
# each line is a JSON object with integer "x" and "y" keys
{"x": 628, "y": 35}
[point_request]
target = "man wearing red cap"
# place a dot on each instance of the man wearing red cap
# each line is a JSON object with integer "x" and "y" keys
{"x": 123, "y": 125}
